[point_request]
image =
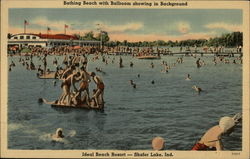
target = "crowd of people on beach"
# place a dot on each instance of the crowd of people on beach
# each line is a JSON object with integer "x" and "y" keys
{"x": 73, "y": 68}
{"x": 74, "y": 71}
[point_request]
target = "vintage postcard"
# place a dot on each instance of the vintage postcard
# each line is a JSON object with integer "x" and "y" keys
{"x": 124, "y": 79}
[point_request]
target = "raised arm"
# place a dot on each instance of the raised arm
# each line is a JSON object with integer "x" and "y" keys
{"x": 219, "y": 145}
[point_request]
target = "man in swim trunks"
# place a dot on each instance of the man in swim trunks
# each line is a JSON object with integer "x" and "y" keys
{"x": 65, "y": 60}
{"x": 66, "y": 84}
{"x": 84, "y": 86}
{"x": 76, "y": 60}
{"x": 84, "y": 61}
{"x": 44, "y": 62}
{"x": 100, "y": 90}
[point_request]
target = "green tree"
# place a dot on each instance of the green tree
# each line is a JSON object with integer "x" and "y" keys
{"x": 89, "y": 36}
{"x": 103, "y": 36}
{"x": 125, "y": 43}
{"x": 77, "y": 35}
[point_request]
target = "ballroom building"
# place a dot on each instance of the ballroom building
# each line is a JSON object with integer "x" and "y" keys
{"x": 48, "y": 40}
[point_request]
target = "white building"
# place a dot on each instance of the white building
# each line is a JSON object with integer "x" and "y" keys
{"x": 48, "y": 40}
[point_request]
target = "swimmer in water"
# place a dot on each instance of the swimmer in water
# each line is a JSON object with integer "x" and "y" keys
{"x": 152, "y": 82}
{"x": 131, "y": 64}
{"x": 211, "y": 140}
{"x": 120, "y": 62}
{"x": 158, "y": 143}
{"x": 188, "y": 77}
{"x": 54, "y": 82}
{"x": 98, "y": 96}
{"x": 197, "y": 89}
{"x": 132, "y": 83}
{"x": 152, "y": 65}
{"x": 166, "y": 67}
{"x": 13, "y": 64}
{"x": 58, "y": 134}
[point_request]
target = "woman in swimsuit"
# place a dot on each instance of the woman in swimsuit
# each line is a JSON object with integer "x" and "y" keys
{"x": 211, "y": 140}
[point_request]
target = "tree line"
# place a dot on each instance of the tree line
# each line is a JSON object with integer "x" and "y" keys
{"x": 228, "y": 40}
{"x": 233, "y": 39}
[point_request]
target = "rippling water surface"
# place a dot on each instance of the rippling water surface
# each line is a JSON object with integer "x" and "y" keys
{"x": 170, "y": 108}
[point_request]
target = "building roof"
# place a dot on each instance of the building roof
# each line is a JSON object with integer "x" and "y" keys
{"x": 57, "y": 36}
{"x": 52, "y": 36}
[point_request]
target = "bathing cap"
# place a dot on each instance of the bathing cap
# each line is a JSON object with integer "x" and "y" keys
{"x": 226, "y": 123}
{"x": 57, "y": 130}
{"x": 158, "y": 143}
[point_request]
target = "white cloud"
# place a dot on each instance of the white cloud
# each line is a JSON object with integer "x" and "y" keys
{"x": 225, "y": 26}
{"x": 132, "y": 26}
{"x": 74, "y": 26}
{"x": 183, "y": 27}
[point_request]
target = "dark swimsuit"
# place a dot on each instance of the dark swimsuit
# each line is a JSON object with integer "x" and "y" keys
{"x": 100, "y": 86}
{"x": 84, "y": 85}
{"x": 77, "y": 64}
{"x": 65, "y": 83}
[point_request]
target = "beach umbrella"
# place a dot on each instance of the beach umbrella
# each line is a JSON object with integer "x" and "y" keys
{"x": 76, "y": 47}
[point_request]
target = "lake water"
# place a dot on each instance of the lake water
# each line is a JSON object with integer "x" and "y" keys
{"x": 170, "y": 108}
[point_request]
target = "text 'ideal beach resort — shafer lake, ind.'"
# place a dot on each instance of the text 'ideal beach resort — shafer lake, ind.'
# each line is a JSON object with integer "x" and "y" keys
{"x": 125, "y": 79}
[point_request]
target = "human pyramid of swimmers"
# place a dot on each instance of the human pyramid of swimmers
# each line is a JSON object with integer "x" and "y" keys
{"x": 76, "y": 73}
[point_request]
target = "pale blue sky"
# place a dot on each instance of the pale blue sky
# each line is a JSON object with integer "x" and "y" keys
{"x": 169, "y": 23}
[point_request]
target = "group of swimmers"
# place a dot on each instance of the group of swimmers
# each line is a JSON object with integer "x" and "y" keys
{"x": 79, "y": 57}
{"x": 210, "y": 141}
{"x": 75, "y": 72}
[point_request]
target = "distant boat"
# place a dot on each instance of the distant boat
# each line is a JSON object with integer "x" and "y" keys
{"x": 150, "y": 57}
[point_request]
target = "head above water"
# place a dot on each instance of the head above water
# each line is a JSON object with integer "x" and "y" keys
{"x": 92, "y": 74}
{"x": 82, "y": 68}
{"x": 158, "y": 143}
{"x": 78, "y": 74}
{"x": 59, "y": 133}
{"x": 226, "y": 123}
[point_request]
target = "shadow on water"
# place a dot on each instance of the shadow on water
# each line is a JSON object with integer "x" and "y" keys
{"x": 68, "y": 110}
